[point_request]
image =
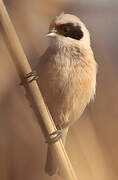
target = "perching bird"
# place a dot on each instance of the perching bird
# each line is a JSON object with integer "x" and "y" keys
{"x": 67, "y": 75}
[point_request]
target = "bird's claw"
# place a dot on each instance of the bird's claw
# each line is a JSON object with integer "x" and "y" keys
{"x": 55, "y": 136}
{"x": 30, "y": 77}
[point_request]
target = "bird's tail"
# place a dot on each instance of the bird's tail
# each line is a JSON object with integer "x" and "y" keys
{"x": 52, "y": 166}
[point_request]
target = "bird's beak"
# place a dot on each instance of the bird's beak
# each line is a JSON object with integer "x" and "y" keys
{"x": 52, "y": 34}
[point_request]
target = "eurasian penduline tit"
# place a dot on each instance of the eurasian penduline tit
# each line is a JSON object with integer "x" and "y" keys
{"x": 67, "y": 75}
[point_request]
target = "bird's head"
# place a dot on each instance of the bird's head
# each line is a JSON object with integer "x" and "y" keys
{"x": 68, "y": 30}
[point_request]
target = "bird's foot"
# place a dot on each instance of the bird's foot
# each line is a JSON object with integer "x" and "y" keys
{"x": 30, "y": 77}
{"x": 55, "y": 136}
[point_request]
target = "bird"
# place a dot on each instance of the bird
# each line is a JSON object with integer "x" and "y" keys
{"x": 67, "y": 75}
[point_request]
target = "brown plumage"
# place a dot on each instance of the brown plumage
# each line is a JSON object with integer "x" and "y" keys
{"x": 67, "y": 74}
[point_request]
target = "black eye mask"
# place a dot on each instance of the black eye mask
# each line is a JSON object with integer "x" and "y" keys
{"x": 69, "y": 30}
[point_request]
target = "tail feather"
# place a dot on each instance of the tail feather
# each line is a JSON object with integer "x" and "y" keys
{"x": 52, "y": 166}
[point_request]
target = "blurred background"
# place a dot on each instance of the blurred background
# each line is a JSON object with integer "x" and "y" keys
{"x": 92, "y": 142}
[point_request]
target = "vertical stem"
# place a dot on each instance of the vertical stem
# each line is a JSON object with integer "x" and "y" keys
{"x": 23, "y": 67}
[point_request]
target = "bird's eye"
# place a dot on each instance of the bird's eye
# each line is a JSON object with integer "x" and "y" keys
{"x": 65, "y": 29}
{"x": 70, "y": 30}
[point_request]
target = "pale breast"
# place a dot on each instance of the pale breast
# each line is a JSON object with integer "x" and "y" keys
{"x": 66, "y": 89}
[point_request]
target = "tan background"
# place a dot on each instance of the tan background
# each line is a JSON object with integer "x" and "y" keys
{"x": 92, "y": 142}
